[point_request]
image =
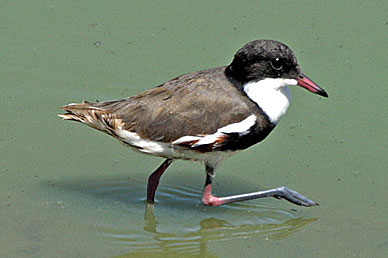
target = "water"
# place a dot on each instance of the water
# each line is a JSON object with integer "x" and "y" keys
{"x": 67, "y": 190}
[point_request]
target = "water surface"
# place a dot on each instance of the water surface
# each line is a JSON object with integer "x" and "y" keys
{"x": 67, "y": 190}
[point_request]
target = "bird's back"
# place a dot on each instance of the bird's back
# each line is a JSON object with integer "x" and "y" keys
{"x": 191, "y": 104}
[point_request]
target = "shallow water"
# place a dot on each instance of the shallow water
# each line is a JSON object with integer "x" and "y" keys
{"x": 69, "y": 191}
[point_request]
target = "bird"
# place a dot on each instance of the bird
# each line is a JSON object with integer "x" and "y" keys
{"x": 206, "y": 116}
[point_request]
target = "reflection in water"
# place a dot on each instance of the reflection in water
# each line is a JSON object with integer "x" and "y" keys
{"x": 181, "y": 224}
{"x": 212, "y": 229}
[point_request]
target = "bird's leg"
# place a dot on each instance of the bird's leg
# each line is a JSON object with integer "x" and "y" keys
{"x": 208, "y": 198}
{"x": 153, "y": 180}
{"x": 280, "y": 192}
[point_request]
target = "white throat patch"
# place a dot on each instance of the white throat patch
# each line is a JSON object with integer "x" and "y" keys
{"x": 271, "y": 95}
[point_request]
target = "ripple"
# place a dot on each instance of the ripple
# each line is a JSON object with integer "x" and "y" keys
{"x": 178, "y": 222}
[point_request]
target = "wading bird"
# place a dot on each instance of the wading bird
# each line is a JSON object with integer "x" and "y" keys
{"x": 206, "y": 116}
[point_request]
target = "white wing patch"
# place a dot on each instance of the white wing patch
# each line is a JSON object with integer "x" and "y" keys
{"x": 272, "y": 95}
{"x": 241, "y": 128}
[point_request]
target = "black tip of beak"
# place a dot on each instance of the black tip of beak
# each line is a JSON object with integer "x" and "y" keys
{"x": 322, "y": 93}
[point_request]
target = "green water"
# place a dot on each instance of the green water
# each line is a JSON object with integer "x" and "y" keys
{"x": 69, "y": 191}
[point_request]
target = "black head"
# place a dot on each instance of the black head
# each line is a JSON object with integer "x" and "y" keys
{"x": 262, "y": 59}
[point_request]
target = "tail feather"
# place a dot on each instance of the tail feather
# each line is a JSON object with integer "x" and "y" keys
{"x": 92, "y": 114}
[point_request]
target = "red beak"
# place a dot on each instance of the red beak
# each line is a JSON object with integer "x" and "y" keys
{"x": 308, "y": 84}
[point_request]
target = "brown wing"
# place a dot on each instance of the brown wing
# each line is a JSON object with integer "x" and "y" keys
{"x": 192, "y": 104}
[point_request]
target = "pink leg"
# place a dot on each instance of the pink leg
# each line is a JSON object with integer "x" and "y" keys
{"x": 281, "y": 192}
{"x": 207, "y": 197}
{"x": 153, "y": 180}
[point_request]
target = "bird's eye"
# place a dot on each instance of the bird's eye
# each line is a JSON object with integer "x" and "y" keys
{"x": 277, "y": 63}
